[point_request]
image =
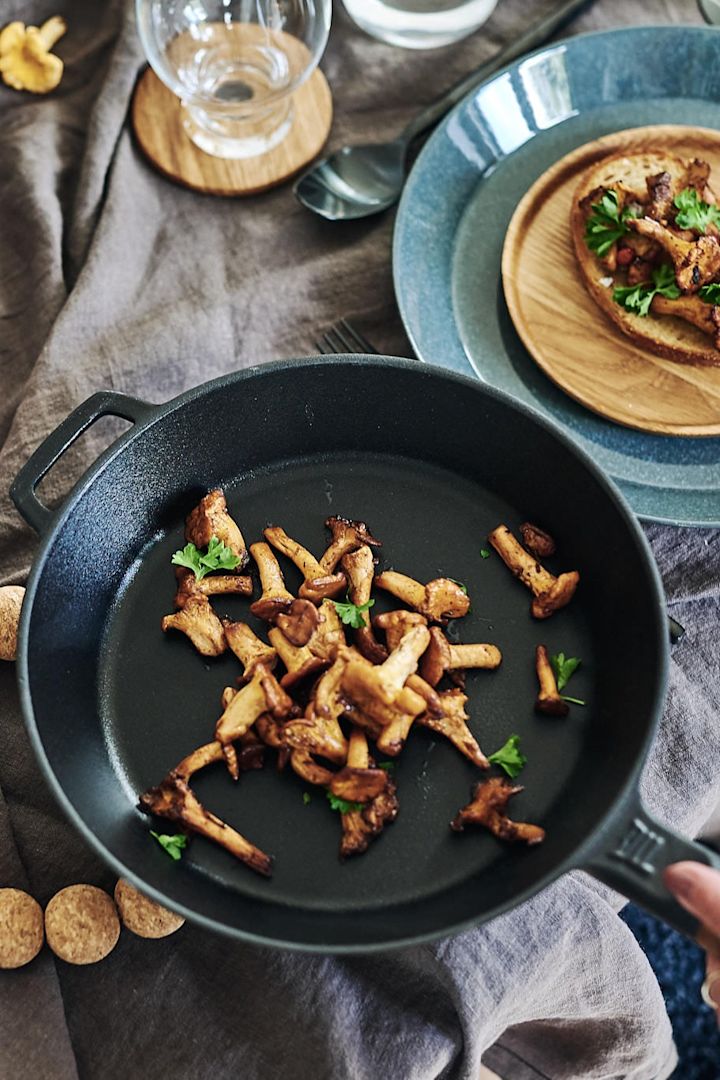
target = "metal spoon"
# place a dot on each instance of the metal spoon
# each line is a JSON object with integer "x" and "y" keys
{"x": 358, "y": 181}
{"x": 710, "y": 10}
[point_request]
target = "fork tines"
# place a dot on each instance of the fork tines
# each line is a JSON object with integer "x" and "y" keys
{"x": 343, "y": 338}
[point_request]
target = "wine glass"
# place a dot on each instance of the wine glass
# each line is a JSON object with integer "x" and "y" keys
{"x": 234, "y": 64}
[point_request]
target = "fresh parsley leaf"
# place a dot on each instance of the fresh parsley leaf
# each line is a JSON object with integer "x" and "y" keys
{"x": 174, "y": 845}
{"x": 459, "y": 585}
{"x": 307, "y": 798}
{"x": 606, "y": 224}
{"x": 509, "y": 757}
{"x": 564, "y": 667}
{"x": 572, "y": 700}
{"x": 388, "y": 766}
{"x": 342, "y": 805}
{"x": 693, "y": 213}
{"x": 217, "y": 557}
{"x": 351, "y": 614}
{"x": 637, "y": 298}
{"x": 710, "y": 294}
{"x": 484, "y": 553}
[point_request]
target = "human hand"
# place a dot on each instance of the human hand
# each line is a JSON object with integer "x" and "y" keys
{"x": 697, "y": 888}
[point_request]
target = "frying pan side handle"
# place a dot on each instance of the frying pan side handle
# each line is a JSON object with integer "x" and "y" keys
{"x": 634, "y": 861}
{"x": 105, "y": 403}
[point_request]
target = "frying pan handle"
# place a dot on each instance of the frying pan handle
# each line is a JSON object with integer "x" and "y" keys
{"x": 633, "y": 863}
{"x": 105, "y": 403}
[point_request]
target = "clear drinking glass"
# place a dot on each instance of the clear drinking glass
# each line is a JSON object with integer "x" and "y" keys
{"x": 234, "y": 64}
{"x": 420, "y": 24}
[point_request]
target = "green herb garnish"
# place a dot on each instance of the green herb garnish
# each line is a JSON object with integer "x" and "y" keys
{"x": 484, "y": 553}
{"x": 174, "y": 845}
{"x": 388, "y": 766}
{"x": 459, "y": 584}
{"x": 710, "y": 294}
{"x": 342, "y": 805}
{"x": 637, "y": 298}
{"x": 564, "y": 667}
{"x": 509, "y": 757}
{"x": 307, "y": 798}
{"x": 606, "y": 224}
{"x": 217, "y": 557}
{"x": 693, "y": 213}
{"x": 351, "y": 614}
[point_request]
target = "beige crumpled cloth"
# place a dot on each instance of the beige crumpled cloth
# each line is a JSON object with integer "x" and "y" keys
{"x": 111, "y": 277}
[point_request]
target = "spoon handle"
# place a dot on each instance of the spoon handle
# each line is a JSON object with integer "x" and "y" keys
{"x": 531, "y": 39}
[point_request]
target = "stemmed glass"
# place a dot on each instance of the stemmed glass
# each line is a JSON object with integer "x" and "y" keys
{"x": 234, "y": 64}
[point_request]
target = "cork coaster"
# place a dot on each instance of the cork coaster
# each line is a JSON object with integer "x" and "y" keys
{"x": 21, "y": 928}
{"x": 81, "y": 924}
{"x": 157, "y": 121}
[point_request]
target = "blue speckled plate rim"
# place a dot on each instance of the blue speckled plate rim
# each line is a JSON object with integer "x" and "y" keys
{"x": 454, "y": 355}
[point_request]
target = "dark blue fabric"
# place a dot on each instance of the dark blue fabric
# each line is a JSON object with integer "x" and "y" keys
{"x": 680, "y": 969}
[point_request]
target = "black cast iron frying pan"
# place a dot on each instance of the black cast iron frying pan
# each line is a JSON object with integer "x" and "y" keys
{"x": 433, "y": 462}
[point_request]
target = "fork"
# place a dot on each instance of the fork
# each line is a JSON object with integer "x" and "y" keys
{"x": 343, "y": 338}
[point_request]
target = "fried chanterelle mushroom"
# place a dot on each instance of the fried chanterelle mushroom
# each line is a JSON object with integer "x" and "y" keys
{"x": 550, "y": 593}
{"x": 197, "y": 620}
{"x": 211, "y": 518}
{"x": 173, "y": 799}
{"x": 490, "y": 798}
{"x": 439, "y": 600}
{"x": 315, "y": 684}
{"x": 360, "y": 826}
{"x": 548, "y": 700}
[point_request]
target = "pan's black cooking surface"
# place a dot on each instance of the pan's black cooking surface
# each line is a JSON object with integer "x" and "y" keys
{"x": 160, "y": 699}
{"x": 432, "y": 462}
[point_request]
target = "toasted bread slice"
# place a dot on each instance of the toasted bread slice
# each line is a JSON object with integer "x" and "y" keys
{"x": 665, "y": 335}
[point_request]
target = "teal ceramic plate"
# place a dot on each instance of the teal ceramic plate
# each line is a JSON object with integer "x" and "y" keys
{"x": 462, "y": 193}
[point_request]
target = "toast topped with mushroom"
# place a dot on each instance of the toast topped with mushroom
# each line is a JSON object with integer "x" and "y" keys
{"x": 646, "y": 232}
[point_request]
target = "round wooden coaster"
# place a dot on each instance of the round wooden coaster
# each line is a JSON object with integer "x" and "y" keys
{"x": 564, "y": 330}
{"x": 157, "y": 120}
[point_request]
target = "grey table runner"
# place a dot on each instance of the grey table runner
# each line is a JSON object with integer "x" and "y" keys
{"x": 112, "y": 277}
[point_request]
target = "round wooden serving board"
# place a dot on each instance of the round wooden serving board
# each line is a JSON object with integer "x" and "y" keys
{"x": 157, "y": 121}
{"x": 562, "y": 327}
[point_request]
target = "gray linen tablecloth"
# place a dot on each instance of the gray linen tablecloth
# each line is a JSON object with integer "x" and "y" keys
{"x": 112, "y": 277}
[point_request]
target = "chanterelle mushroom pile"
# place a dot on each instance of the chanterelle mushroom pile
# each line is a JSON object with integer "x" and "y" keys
{"x": 330, "y": 680}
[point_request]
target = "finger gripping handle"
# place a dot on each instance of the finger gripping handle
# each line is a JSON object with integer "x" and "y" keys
{"x": 105, "y": 403}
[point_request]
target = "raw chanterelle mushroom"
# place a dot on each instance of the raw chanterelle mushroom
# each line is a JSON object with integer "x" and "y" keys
{"x": 550, "y": 593}
{"x": 441, "y": 599}
{"x": 26, "y": 62}
{"x": 173, "y": 799}
{"x": 490, "y": 799}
